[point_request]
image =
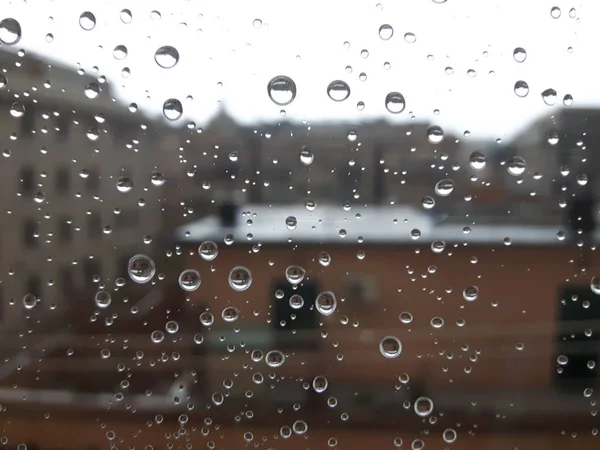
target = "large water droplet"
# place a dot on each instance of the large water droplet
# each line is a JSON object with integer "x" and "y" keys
{"x": 291, "y": 222}
{"x": 395, "y": 103}
{"x": 172, "y": 327}
{"x": 516, "y": 166}
{"x": 435, "y": 134}
{"x": 166, "y": 57}
{"x": 157, "y": 178}
{"x": 595, "y": 285}
{"x": 423, "y": 406}
{"x": 549, "y": 96}
{"x": 172, "y": 109}
{"x": 428, "y": 202}
{"x": 519, "y": 54}
{"x": 521, "y": 88}
{"x": 124, "y": 184}
{"x": 103, "y": 299}
{"x": 471, "y": 293}
{"x": 157, "y": 336}
{"x": 207, "y": 319}
{"x": 240, "y": 278}
{"x": 326, "y": 303}
{"x": 386, "y": 32}
{"x": 29, "y": 301}
{"x": 324, "y": 259}
{"x": 338, "y": 90}
{"x": 126, "y": 16}
{"x": 120, "y": 52}
{"x": 296, "y": 301}
{"x": 444, "y": 187}
{"x": 555, "y": 12}
{"x": 410, "y": 38}
{"x": 17, "y": 109}
{"x": 10, "y": 31}
{"x": 306, "y": 156}
{"x": 567, "y": 99}
{"x": 282, "y": 90}
{"x": 477, "y": 160}
{"x": 320, "y": 384}
{"x": 449, "y": 435}
{"x": 3, "y": 81}
{"x": 92, "y": 90}
{"x": 189, "y": 280}
{"x": 87, "y": 21}
{"x": 230, "y": 314}
{"x": 300, "y": 427}
{"x": 141, "y": 268}
{"x": 390, "y": 347}
{"x": 274, "y": 358}
{"x": 294, "y": 274}
{"x": 208, "y": 250}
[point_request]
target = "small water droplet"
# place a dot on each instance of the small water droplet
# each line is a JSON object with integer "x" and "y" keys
{"x": 17, "y": 109}
{"x": 189, "y": 280}
{"x": 92, "y": 90}
{"x": 553, "y": 138}
{"x": 207, "y": 319}
{"x": 477, "y": 160}
{"x": 471, "y": 293}
{"x": 595, "y": 285}
{"x": 120, "y": 52}
{"x": 324, "y": 259}
{"x": 172, "y": 109}
{"x": 10, "y": 31}
{"x": 567, "y": 99}
{"x": 582, "y": 179}
{"x": 3, "y": 81}
{"x": 291, "y": 222}
{"x": 427, "y": 202}
{"x": 435, "y": 134}
{"x": 306, "y": 156}
{"x": 39, "y": 197}
{"x": 124, "y": 184}
{"x": 521, "y": 88}
{"x": 141, "y": 268}
{"x": 126, "y": 16}
{"x": 103, "y": 299}
{"x": 87, "y": 21}
{"x": 555, "y": 12}
{"x": 29, "y": 301}
{"x": 296, "y": 301}
{"x": 157, "y": 178}
{"x": 257, "y": 23}
{"x": 386, "y": 32}
{"x": 338, "y": 90}
{"x": 352, "y": 136}
{"x": 282, "y": 90}
{"x": 240, "y": 278}
{"x": 410, "y": 38}
{"x": 395, "y": 103}
{"x": 157, "y": 336}
{"x": 166, "y": 57}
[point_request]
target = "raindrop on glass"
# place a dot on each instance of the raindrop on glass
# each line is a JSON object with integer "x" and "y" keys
{"x": 124, "y": 184}
{"x": 172, "y": 327}
{"x": 240, "y": 278}
{"x": 444, "y": 187}
{"x": 521, "y": 89}
{"x": 390, "y": 347}
{"x": 477, "y": 160}
{"x": 516, "y": 166}
{"x": 172, "y": 109}
{"x": 519, "y": 54}
{"x": 423, "y": 406}
{"x": 29, "y": 301}
{"x": 230, "y": 314}
{"x": 320, "y": 384}
{"x": 294, "y": 275}
{"x": 471, "y": 293}
{"x": 549, "y": 97}
{"x": 395, "y": 103}
{"x": 338, "y": 90}
{"x": 282, "y": 90}
{"x": 189, "y": 280}
{"x": 126, "y": 16}
{"x": 274, "y": 358}
{"x": 10, "y": 31}
{"x": 326, "y": 303}
{"x": 208, "y": 250}
{"x": 102, "y": 299}
{"x": 87, "y": 21}
{"x": 435, "y": 134}
{"x": 386, "y": 32}
{"x": 166, "y": 57}
{"x": 291, "y": 223}
{"x": 306, "y": 156}
{"x": 410, "y": 38}
{"x": 555, "y": 12}
{"x": 141, "y": 268}
{"x": 120, "y": 52}
{"x": 92, "y": 90}
{"x": 449, "y": 435}
{"x": 17, "y": 110}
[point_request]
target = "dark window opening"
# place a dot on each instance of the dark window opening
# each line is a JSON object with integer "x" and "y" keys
{"x": 288, "y": 318}
{"x": 29, "y": 233}
{"x": 94, "y": 225}
{"x": 63, "y": 180}
{"x": 65, "y": 231}
{"x": 27, "y": 180}
{"x": 91, "y": 268}
{"x": 28, "y": 121}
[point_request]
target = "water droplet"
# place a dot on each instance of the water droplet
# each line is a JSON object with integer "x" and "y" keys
{"x": 102, "y": 299}
{"x": 410, "y": 38}
{"x": 141, "y": 268}
{"x": 92, "y": 90}
{"x": 338, "y": 90}
{"x": 282, "y": 90}
{"x": 427, "y": 202}
{"x": 553, "y": 138}
{"x": 438, "y": 246}
{"x": 230, "y": 314}
{"x": 395, "y": 103}
{"x": 17, "y": 110}
{"x": 207, "y": 319}
{"x": 567, "y": 99}
{"x": 157, "y": 336}
{"x": 320, "y": 384}
{"x": 105, "y": 353}
{"x": 444, "y": 187}
{"x": 257, "y": 23}
{"x": 274, "y": 359}
{"x": 324, "y": 259}
{"x": 449, "y": 435}
{"x": 172, "y": 109}
{"x": 87, "y": 21}
{"x": 352, "y": 136}
{"x": 519, "y": 54}
{"x": 435, "y": 134}
{"x": 166, "y": 57}
{"x": 582, "y": 179}
{"x": 295, "y": 274}
{"x": 296, "y": 301}
{"x": 120, "y": 52}
{"x": 3, "y": 81}
{"x": 405, "y": 317}
{"x": 390, "y": 347}
{"x": 521, "y": 88}
{"x": 549, "y": 97}
{"x": 386, "y": 32}
{"x": 172, "y": 327}
{"x": 126, "y": 16}
{"x": 189, "y": 280}
{"x": 555, "y": 12}
{"x": 157, "y": 178}
{"x": 306, "y": 156}
{"x": 208, "y": 250}
{"x": 477, "y": 160}
{"x": 423, "y": 406}
{"x": 300, "y": 427}
{"x": 29, "y": 301}
{"x": 10, "y": 31}
{"x": 516, "y": 166}
{"x": 326, "y": 303}
{"x": 39, "y": 197}
{"x": 240, "y": 278}
{"x": 562, "y": 360}
{"x": 595, "y": 285}
{"x": 364, "y": 53}
{"x": 124, "y": 184}
{"x": 471, "y": 293}
{"x": 437, "y": 322}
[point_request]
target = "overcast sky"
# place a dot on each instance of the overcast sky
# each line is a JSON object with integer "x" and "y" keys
{"x": 219, "y": 42}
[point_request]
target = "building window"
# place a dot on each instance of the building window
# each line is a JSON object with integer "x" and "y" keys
{"x": 27, "y": 180}
{"x": 127, "y": 218}
{"x": 66, "y": 280}
{"x": 578, "y": 333}
{"x": 63, "y": 125}
{"x": 65, "y": 231}
{"x": 63, "y": 180}
{"x": 92, "y": 183}
{"x": 94, "y": 225}
{"x": 30, "y": 233}
{"x": 28, "y": 120}
{"x": 91, "y": 268}
{"x": 289, "y": 318}
{"x": 33, "y": 285}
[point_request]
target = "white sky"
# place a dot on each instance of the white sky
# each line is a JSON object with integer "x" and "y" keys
{"x": 219, "y": 43}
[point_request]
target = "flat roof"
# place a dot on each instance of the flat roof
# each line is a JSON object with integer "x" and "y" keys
{"x": 331, "y": 224}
